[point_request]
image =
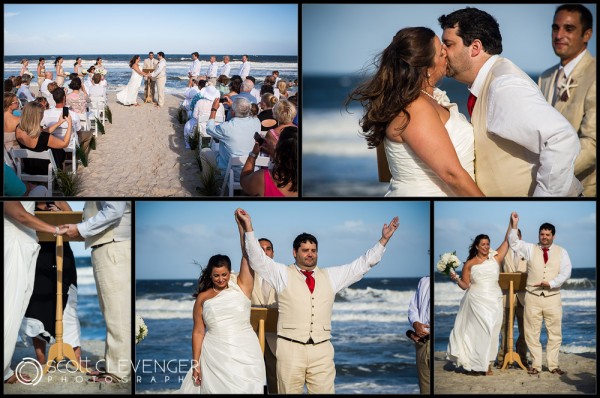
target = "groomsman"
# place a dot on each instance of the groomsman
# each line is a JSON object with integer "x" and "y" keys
{"x": 244, "y": 68}
{"x": 211, "y": 73}
{"x": 226, "y": 68}
{"x": 306, "y": 294}
{"x": 150, "y": 86}
{"x": 570, "y": 86}
{"x": 160, "y": 75}
{"x": 194, "y": 70}
{"x": 548, "y": 267}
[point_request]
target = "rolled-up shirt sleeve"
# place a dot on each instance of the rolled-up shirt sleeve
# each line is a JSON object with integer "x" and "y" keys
{"x": 534, "y": 124}
{"x": 110, "y": 215}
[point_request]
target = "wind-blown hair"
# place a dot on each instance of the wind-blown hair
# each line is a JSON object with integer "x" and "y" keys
{"x": 473, "y": 247}
{"x": 133, "y": 60}
{"x": 205, "y": 281}
{"x": 401, "y": 71}
{"x": 285, "y": 159}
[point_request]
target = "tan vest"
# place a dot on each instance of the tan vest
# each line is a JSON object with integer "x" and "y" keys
{"x": 537, "y": 271}
{"x": 258, "y": 299}
{"x": 502, "y": 167}
{"x": 90, "y": 209}
{"x": 303, "y": 315}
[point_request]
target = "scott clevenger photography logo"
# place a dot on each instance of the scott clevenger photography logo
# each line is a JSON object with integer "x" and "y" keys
{"x": 29, "y": 372}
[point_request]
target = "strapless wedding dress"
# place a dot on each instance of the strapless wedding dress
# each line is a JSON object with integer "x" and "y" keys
{"x": 128, "y": 96}
{"x": 473, "y": 341}
{"x": 231, "y": 360}
{"x": 411, "y": 176}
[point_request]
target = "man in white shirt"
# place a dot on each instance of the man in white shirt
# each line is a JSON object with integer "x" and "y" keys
{"x": 226, "y": 69}
{"x": 304, "y": 350}
{"x": 44, "y": 86}
{"x": 523, "y": 146}
{"x": 160, "y": 76}
{"x": 418, "y": 318}
{"x": 107, "y": 230}
{"x": 211, "y": 74}
{"x": 150, "y": 86}
{"x": 24, "y": 93}
{"x": 244, "y": 67}
{"x": 571, "y": 85}
{"x": 194, "y": 69}
{"x": 548, "y": 268}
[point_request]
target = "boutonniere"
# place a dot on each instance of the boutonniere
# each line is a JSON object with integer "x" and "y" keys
{"x": 564, "y": 92}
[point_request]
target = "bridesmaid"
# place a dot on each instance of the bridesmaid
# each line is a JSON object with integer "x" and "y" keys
{"x": 60, "y": 73}
{"x": 24, "y": 68}
{"x": 41, "y": 72}
{"x": 78, "y": 67}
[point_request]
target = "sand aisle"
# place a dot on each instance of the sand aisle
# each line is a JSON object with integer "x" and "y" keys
{"x": 141, "y": 154}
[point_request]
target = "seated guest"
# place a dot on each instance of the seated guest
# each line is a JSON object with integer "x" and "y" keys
{"x": 199, "y": 114}
{"x": 77, "y": 99}
{"x": 255, "y": 92}
{"x": 281, "y": 91}
{"x": 97, "y": 89}
{"x": 24, "y": 92}
{"x": 282, "y": 180}
{"x": 196, "y": 98}
{"x": 8, "y": 86}
{"x": 52, "y": 115}
{"x": 44, "y": 87}
{"x": 11, "y": 103}
{"x": 284, "y": 112}
{"x": 30, "y": 136}
{"x": 235, "y": 136}
{"x": 223, "y": 85}
{"x": 190, "y": 93}
{"x": 17, "y": 81}
{"x": 267, "y": 89}
{"x": 267, "y": 120}
{"x": 51, "y": 87}
{"x": 68, "y": 82}
{"x": 247, "y": 87}
{"x": 294, "y": 100}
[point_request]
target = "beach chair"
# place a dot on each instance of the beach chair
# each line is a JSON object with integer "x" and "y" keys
{"x": 19, "y": 154}
{"x": 229, "y": 178}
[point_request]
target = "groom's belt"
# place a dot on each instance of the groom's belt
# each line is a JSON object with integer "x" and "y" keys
{"x": 310, "y": 340}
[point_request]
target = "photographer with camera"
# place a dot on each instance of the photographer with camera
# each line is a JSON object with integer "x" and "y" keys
{"x": 282, "y": 179}
{"x": 418, "y": 317}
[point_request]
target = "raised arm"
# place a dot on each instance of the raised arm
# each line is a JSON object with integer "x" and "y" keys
{"x": 503, "y": 248}
{"x": 197, "y": 339}
{"x": 246, "y": 276}
{"x": 388, "y": 230}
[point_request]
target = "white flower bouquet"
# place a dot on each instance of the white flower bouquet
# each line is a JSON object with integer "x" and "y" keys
{"x": 448, "y": 263}
{"x": 141, "y": 330}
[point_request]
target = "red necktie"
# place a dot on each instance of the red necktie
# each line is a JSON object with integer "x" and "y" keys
{"x": 545, "y": 250}
{"x": 471, "y": 103}
{"x": 310, "y": 281}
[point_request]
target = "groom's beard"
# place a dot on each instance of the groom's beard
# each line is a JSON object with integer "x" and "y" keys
{"x": 458, "y": 65}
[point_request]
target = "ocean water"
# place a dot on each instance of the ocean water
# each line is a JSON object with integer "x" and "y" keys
{"x": 119, "y": 72}
{"x": 372, "y": 352}
{"x": 579, "y": 312}
{"x": 335, "y": 158}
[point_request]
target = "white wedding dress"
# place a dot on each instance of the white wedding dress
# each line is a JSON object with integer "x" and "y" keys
{"x": 128, "y": 96}
{"x": 20, "y": 255}
{"x": 231, "y": 360}
{"x": 411, "y": 176}
{"x": 473, "y": 341}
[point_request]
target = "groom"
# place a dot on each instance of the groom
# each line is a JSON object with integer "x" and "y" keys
{"x": 306, "y": 294}
{"x": 523, "y": 146}
{"x": 160, "y": 76}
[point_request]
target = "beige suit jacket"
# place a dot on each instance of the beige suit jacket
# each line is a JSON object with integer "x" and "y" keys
{"x": 580, "y": 110}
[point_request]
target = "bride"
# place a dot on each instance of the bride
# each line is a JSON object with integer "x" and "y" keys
{"x": 473, "y": 341}
{"x": 428, "y": 143}
{"x": 128, "y": 96}
{"x": 225, "y": 348}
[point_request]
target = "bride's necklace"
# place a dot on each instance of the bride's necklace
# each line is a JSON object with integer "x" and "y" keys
{"x": 218, "y": 291}
{"x": 429, "y": 95}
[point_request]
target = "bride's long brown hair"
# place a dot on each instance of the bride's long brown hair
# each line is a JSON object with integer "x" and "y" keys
{"x": 401, "y": 70}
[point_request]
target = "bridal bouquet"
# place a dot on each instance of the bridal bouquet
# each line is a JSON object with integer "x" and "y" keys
{"x": 141, "y": 330}
{"x": 448, "y": 263}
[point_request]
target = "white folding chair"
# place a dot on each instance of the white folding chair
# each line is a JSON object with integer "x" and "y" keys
{"x": 97, "y": 110}
{"x": 19, "y": 154}
{"x": 229, "y": 177}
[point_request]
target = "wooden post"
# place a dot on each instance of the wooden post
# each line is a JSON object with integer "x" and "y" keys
{"x": 510, "y": 356}
{"x": 263, "y": 320}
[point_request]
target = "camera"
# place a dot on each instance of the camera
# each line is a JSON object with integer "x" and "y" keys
{"x": 258, "y": 138}
{"x": 224, "y": 99}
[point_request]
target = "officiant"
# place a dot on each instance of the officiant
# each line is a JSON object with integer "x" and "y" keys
{"x": 150, "y": 85}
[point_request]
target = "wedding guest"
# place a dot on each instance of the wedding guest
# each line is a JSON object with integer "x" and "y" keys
{"x": 266, "y": 89}
{"x": 77, "y": 99}
{"x": 11, "y": 121}
{"x": 20, "y": 254}
{"x": 570, "y": 86}
{"x": 44, "y": 86}
{"x": 418, "y": 318}
{"x": 52, "y": 115}
{"x": 223, "y": 85}
{"x": 282, "y": 179}
{"x": 194, "y": 69}
{"x": 267, "y": 120}
{"x": 283, "y": 112}
{"x": 305, "y": 353}
{"x": 211, "y": 73}
{"x": 78, "y": 67}
{"x": 255, "y": 92}
{"x": 41, "y": 72}
{"x": 107, "y": 230}
{"x": 282, "y": 89}
{"x": 96, "y": 89}
{"x": 226, "y": 68}
{"x": 8, "y": 86}
{"x": 548, "y": 268}
{"x": 87, "y": 81}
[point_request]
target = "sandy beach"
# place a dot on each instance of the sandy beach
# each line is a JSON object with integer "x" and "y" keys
{"x": 580, "y": 378}
{"x": 141, "y": 154}
{"x": 65, "y": 381}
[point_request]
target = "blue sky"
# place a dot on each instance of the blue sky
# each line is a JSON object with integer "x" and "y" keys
{"x": 345, "y": 38}
{"x": 50, "y": 28}
{"x": 457, "y": 223}
{"x": 171, "y": 235}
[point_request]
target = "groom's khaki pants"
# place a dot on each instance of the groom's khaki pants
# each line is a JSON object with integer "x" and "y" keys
{"x": 549, "y": 310}
{"x": 310, "y": 364}
{"x": 160, "y": 89}
{"x": 112, "y": 272}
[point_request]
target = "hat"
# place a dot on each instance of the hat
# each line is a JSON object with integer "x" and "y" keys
{"x": 210, "y": 93}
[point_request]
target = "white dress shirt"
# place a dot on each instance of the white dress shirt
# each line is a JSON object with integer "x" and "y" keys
{"x": 418, "y": 308}
{"x": 244, "y": 70}
{"x": 113, "y": 213}
{"x": 25, "y": 92}
{"x": 517, "y": 111}
{"x": 52, "y": 115}
{"x": 194, "y": 69}
{"x": 526, "y": 250}
{"x": 226, "y": 70}
{"x": 212, "y": 70}
{"x": 162, "y": 64}
{"x": 341, "y": 276}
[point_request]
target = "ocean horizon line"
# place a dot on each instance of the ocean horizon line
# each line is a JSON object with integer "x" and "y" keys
{"x": 146, "y": 52}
